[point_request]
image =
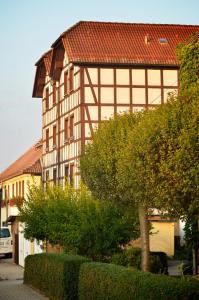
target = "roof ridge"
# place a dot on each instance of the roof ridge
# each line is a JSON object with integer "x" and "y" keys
{"x": 129, "y": 23}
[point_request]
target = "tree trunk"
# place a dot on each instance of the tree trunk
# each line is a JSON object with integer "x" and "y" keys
{"x": 144, "y": 230}
{"x": 194, "y": 260}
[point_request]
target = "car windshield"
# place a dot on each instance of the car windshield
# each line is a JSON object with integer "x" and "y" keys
{"x": 4, "y": 233}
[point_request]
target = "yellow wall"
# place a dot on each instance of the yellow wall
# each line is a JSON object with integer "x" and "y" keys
{"x": 162, "y": 237}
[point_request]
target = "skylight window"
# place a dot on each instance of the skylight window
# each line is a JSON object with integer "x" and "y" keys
{"x": 163, "y": 40}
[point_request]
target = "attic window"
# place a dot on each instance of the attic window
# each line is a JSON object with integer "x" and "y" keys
{"x": 163, "y": 41}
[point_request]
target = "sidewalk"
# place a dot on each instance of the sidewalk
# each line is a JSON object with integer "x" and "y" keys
{"x": 173, "y": 267}
{"x": 11, "y": 283}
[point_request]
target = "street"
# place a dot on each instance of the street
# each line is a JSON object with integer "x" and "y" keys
{"x": 11, "y": 283}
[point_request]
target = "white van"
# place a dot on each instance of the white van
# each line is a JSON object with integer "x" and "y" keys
{"x": 5, "y": 242}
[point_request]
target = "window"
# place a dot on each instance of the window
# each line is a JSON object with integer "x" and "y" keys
{"x": 22, "y": 192}
{"x": 19, "y": 188}
{"x": 71, "y": 79}
{"x": 47, "y": 139}
{"x": 47, "y": 175}
{"x": 66, "y": 83}
{"x": 47, "y": 98}
{"x": 54, "y": 136}
{"x": 17, "y": 194}
{"x": 66, "y": 171}
{"x": 54, "y": 176}
{"x": 8, "y": 192}
{"x": 4, "y": 233}
{"x": 13, "y": 190}
{"x": 66, "y": 130}
{"x": 54, "y": 93}
{"x": 71, "y": 174}
{"x": 5, "y": 192}
{"x": 72, "y": 126}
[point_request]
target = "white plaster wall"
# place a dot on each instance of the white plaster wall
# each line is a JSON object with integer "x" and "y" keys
{"x": 122, "y": 76}
{"x": 123, "y": 95}
{"x": 153, "y": 77}
{"x": 154, "y": 96}
{"x": 139, "y": 96}
{"x": 107, "y": 95}
{"x": 89, "y": 95}
{"x": 107, "y": 112}
{"x": 93, "y": 75}
{"x": 138, "y": 76}
{"x": 106, "y": 76}
{"x": 170, "y": 77}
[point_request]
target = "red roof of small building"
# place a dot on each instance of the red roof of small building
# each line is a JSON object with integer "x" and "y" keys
{"x": 28, "y": 163}
{"x": 114, "y": 43}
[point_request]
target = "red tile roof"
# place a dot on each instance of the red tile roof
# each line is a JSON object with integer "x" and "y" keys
{"x": 28, "y": 163}
{"x": 124, "y": 43}
{"x": 114, "y": 43}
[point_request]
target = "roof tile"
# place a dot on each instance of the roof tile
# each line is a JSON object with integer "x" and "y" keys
{"x": 29, "y": 163}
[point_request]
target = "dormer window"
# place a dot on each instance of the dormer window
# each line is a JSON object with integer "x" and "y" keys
{"x": 163, "y": 41}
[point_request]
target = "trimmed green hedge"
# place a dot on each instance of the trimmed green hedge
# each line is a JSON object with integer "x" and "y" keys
{"x": 56, "y": 275}
{"x": 100, "y": 281}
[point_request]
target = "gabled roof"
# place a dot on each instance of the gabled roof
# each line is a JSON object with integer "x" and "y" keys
{"x": 120, "y": 43}
{"x": 28, "y": 163}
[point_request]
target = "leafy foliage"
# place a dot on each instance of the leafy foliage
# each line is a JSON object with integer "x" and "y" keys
{"x": 100, "y": 166}
{"x": 55, "y": 275}
{"x": 188, "y": 55}
{"x": 132, "y": 258}
{"x": 105, "y": 281}
{"x": 191, "y": 232}
{"x": 76, "y": 221}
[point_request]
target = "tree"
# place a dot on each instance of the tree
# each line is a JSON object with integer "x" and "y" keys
{"x": 76, "y": 221}
{"x": 110, "y": 172}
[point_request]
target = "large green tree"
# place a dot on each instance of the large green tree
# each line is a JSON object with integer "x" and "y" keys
{"x": 112, "y": 174}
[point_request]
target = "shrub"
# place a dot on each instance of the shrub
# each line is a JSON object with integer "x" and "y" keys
{"x": 100, "y": 281}
{"x": 54, "y": 274}
{"x": 163, "y": 261}
{"x": 132, "y": 258}
{"x": 76, "y": 221}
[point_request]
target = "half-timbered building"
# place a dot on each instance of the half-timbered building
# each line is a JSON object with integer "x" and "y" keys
{"x": 95, "y": 70}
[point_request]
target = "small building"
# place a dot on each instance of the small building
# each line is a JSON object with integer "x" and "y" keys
{"x": 14, "y": 183}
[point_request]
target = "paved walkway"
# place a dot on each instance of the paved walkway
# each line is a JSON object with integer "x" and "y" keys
{"x": 11, "y": 283}
{"x": 173, "y": 267}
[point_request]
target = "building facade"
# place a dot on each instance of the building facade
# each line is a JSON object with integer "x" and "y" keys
{"x": 95, "y": 70}
{"x": 15, "y": 182}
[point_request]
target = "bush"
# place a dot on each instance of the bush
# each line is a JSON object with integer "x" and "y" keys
{"x": 54, "y": 274}
{"x": 76, "y": 221}
{"x": 163, "y": 261}
{"x": 100, "y": 281}
{"x": 132, "y": 258}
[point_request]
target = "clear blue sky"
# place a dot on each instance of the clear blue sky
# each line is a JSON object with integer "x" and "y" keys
{"x": 29, "y": 27}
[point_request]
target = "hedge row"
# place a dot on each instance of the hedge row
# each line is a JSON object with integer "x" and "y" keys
{"x": 99, "y": 281}
{"x": 55, "y": 275}
{"x": 72, "y": 277}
